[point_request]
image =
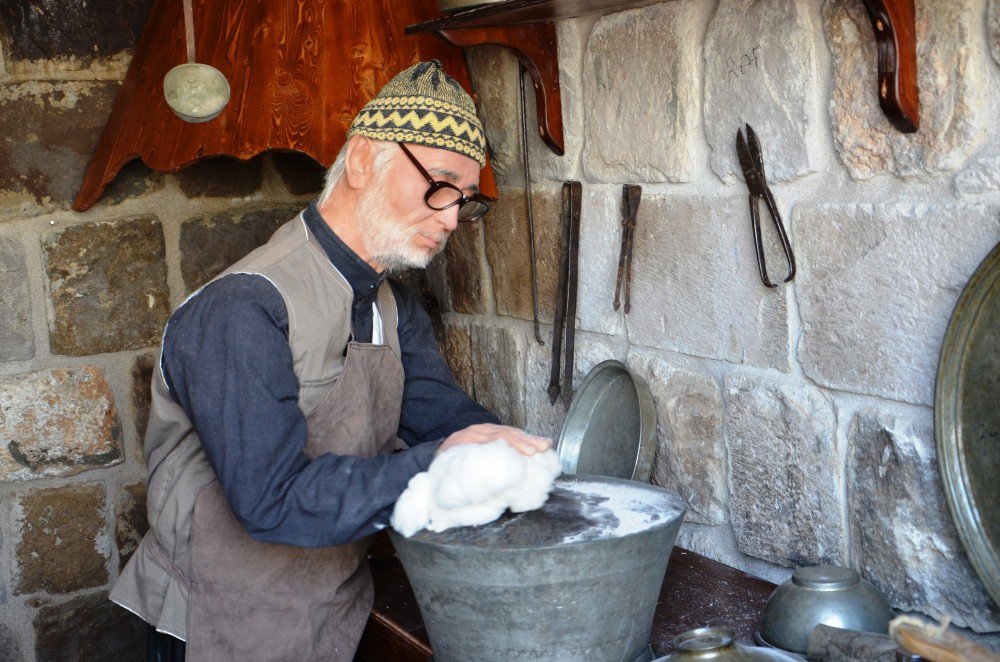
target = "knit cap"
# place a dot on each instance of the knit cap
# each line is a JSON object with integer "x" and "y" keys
{"x": 425, "y": 106}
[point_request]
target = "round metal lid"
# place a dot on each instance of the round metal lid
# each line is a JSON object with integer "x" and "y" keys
{"x": 826, "y": 577}
{"x": 967, "y": 420}
{"x": 610, "y": 429}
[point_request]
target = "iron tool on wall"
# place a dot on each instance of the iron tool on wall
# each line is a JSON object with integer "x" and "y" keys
{"x": 752, "y": 162}
{"x": 631, "y": 195}
{"x": 565, "y": 309}
{"x": 528, "y": 209}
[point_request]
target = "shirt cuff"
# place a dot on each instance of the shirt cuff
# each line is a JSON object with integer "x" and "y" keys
{"x": 423, "y": 454}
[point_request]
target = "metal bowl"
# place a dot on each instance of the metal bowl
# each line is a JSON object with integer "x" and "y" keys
{"x": 825, "y": 594}
{"x": 719, "y": 644}
{"x": 196, "y": 92}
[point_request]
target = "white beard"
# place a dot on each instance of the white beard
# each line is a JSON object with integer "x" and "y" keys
{"x": 389, "y": 243}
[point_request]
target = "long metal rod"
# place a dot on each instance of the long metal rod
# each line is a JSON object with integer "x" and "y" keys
{"x": 527, "y": 206}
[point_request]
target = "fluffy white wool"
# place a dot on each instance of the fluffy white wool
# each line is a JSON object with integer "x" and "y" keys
{"x": 474, "y": 484}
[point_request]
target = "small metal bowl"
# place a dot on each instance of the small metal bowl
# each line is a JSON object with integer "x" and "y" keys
{"x": 196, "y": 92}
{"x": 719, "y": 644}
{"x": 825, "y": 594}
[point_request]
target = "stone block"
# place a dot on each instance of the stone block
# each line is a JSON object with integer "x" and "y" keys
{"x": 542, "y": 417}
{"x": 468, "y": 279}
{"x": 108, "y": 286}
{"x": 572, "y": 35}
{"x": 130, "y": 520}
{"x": 641, "y": 86}
{"x": 48, "y": 131}
{"x": 760, "y": 69}
{"x": 142, "y": 379}
{"x": 301, "y": 173}
{"x": 89, "y": 627}
{"x": 44, "y": 29}
{"x": 980, "y": 177}
{"x": 600, "y": 244}
{"x": 494, "y": 72}
{"x": 993, "y": 28}
{"x": 17, "y": 341}
{"x": 952, "y": 93}
{"x": 784, "y": 496}
{"x": 221, "y": 177}
{"x": 57, "y": 423}
{"x": 694, "y": 293}
{"x": 64, "y": 544}
{"x": 10, "y": 649}
{"x": 876, "y": 288}
{"x": 902, "y": 536}
{"x": 498, "y": 372}
{"x": 509, "y": 256}
{"x": 691, "y": 451}
{"x": 211, "y": 243}
{"x": 457, "y": 351}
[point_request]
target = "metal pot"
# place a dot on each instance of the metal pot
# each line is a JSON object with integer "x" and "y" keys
{"x": 824, "y": 594}
{"x": 576, "y": 579}
{"x": 719, "y": 645}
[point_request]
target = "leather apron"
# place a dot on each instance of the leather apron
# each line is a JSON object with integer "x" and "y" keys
{"x": 251, "y": 600}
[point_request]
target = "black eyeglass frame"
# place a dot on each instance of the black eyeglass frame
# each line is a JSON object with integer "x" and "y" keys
{"x": 436, "y": 185}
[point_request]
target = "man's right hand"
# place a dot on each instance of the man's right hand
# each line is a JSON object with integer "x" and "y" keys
{"x": 484, "y": 433}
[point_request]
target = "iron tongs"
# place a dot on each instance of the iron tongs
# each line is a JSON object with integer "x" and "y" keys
{"x": 752, "y": 162}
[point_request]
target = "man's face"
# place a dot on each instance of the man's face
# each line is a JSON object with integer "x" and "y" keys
{"x": 399, "y": 229}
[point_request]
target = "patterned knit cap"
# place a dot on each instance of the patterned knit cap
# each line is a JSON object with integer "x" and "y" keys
{"x": 425, "y": 106}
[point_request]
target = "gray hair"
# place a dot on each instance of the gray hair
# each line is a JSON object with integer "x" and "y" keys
{"x": 383, "y": 154}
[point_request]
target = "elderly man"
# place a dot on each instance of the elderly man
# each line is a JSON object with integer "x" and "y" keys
{"x": 284, "y": 386}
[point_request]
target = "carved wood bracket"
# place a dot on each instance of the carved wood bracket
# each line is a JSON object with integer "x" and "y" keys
{"x": 534, "y": 44}
{"x": 894, "y": 22}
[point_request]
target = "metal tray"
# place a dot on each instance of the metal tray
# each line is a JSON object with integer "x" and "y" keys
{"x": 967, "y": 420}
{"x": 610, "y": 429}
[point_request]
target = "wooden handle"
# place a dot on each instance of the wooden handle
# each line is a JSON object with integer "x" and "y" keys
{"x": 189, "y": 29}
{"x": 937, "y": 645}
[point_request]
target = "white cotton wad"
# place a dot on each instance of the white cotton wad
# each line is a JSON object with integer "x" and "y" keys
{"x": 473, "y": 484}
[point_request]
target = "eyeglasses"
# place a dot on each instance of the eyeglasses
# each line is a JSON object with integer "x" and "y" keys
{"x": 443, "y": 195}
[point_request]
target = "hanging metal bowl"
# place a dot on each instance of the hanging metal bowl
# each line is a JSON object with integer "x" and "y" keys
{"x": 196, "y": 92}
{"x": 967, "y": 420}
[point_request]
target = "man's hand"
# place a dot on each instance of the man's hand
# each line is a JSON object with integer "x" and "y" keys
{"x": 484, "y": 433}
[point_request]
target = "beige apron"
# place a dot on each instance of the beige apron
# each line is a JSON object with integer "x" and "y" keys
{"x": 259, "y": 601}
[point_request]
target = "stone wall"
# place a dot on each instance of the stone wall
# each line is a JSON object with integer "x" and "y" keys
{"x": 83, "y": 300}
{"x": 797, "y": 422}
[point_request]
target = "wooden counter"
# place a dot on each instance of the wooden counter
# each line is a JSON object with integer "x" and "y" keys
{"x": 696, "y": 592}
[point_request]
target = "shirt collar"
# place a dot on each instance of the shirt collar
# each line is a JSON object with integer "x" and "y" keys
{"x": 359, "y": 274}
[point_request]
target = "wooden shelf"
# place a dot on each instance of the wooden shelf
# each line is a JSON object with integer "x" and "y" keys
{"x": 527, "y": 28}
{"x": 514, "y": 12}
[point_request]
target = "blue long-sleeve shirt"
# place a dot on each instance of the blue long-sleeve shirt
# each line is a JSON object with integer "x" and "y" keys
{"x": 227, "y": 363}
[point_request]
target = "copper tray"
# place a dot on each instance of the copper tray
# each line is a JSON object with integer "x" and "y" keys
{"x": 967, "y": 420}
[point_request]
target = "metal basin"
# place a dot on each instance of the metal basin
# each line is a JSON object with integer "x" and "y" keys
{"x": 576, "y": 580}
{"x": 718, "y": 644}
{"x": 824, "y": 594}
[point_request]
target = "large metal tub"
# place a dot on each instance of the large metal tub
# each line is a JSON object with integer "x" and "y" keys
{"x": 577, "y": 579}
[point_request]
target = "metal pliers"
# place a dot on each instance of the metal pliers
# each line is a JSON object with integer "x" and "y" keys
{"x": 752, "y": 162}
